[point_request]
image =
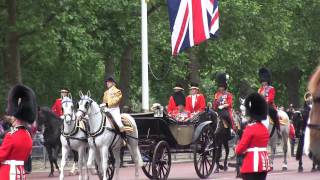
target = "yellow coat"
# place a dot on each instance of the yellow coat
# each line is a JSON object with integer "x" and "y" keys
{"x": 112, "y": 97}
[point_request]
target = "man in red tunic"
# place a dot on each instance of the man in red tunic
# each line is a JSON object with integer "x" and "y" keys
{"x": 195, "y": 102}
{"x": 57, "y": 106}
{"x": 177, "y": 96}
{"x": 269, "y": 92}
{"x": 254, "y": 141}
{"x": 17, "y": 144}
{"x": 223, "y": 100}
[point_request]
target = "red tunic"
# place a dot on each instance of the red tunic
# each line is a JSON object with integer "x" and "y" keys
{"x": 16, "y": 145}
{"x": 57, "y": 107}
{"x": 253, "y": 144}
{"x": 172, "y": 107}
{"x": 268, "y": 92}
{"x": 222, "y": 98}
{"x": 199, "y": 104}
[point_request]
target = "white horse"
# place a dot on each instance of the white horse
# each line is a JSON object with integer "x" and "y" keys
{"x": 103, "y": 137}
{"x": 274, "y": 139}
{"x": 72, "y": 138}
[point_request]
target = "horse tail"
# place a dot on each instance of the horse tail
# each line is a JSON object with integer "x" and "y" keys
{"x": 307, "y": 140}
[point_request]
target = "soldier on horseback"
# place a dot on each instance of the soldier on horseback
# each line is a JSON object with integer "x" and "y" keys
{"x": 223, "y": 101}
{"x": 57, "y": 106}
{"x": 268, "y": 92}
{"x": 111, "y": 101}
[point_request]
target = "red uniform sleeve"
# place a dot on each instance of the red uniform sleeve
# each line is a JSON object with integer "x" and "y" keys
{"x": 188, "y": 104}
{"x": 202, "y": 103}
{"x": 229, "y": 100}
{"x": 171, "y": 105}
{"x": 54, "y": 107}
{"x": 215, "y": 102}
{"x": 6, "y": 147}
{"x": 244, "y": 142}
{"x": 271, "y": 95}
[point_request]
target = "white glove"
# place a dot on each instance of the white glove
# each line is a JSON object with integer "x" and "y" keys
{"x": 102, "y": 105}
{"x": 220, "y": 107}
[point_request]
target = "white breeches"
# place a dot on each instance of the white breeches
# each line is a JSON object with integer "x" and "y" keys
{"x": 115, "y": 112}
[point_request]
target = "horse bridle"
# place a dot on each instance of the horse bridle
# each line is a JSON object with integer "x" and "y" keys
{"x": 66, "y": 115}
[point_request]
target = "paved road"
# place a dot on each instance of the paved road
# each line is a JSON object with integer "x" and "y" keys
{"x": 185, "y": 171}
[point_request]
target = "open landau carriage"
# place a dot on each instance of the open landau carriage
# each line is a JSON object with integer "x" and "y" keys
{"x": 160, "y": 135}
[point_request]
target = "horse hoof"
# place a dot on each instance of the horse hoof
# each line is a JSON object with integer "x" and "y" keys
{"x": 238, "y": 176}
{"x": 216, "y": 171}
{"x": 51, "y": 175}
{"x": 225, "y": 168}
{"x": 221, "y": 167}
{"x": 284, "y": 168}
{"x": 300, "y": 169}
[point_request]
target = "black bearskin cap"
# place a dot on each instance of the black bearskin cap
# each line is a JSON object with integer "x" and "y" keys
{"x": 256, "y": 107}
{"x": 221, "y": 80}
{"x": 22, "y": 104}
{"x": 265, "y": 75}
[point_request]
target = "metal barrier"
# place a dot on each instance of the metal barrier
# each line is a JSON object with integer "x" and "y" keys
{"x": 38, "y": 150}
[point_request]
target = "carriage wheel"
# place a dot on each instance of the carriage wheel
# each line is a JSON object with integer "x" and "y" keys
{"x": 161, "y": 161}
{"x": 147, "y": 167}
{"x": 204, "y": 154}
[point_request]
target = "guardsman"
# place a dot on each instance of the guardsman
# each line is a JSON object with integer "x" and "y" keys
{"x": 177, "y": 96}
{"x": 17, "y": 144}
{"x": 223, "y": 100}
{"x": 111, "y": 101}
{"x": 269, "y": 92}
{"x": 195, "y": 102}
{"x": 57, "y": 106}
{"x": 254, "y": 141}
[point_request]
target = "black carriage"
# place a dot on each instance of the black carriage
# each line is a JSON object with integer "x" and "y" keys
{"x": 160, "y": 136}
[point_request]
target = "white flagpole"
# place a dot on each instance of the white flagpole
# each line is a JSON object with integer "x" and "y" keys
{"x": 144, "y": 54}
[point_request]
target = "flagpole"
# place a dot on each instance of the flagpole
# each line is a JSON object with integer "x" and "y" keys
{"x": 144, "y": 55}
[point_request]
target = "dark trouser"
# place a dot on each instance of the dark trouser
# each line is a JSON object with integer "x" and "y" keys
{"x": 254, "y": 176}
{"x": 28, "y": 164}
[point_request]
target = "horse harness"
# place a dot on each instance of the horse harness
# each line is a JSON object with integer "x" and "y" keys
{"x": 74, "y": 131}
{"x": 311, "y": 125}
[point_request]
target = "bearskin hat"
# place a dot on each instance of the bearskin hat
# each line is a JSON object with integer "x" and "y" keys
{"x": 265, "y": 75}
{"x": 221, "y": 80}
{"x": 256, "y": 107}
{"x": 22, "y": 103}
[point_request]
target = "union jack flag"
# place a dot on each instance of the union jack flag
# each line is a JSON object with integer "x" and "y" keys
{"x": 192, "y": 22}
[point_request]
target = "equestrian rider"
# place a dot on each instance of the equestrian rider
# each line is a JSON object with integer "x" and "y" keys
{"x": 57, "y": 106}
{"x": 111, "y": 101}
{"x": 195, "y": 102}
{"x": 223, "y": 100}
{"x": 177, "y": 96}
{"x": 268, "y": 92}
{"x": 254, "y": 141}
{"x": 17, "y": 144}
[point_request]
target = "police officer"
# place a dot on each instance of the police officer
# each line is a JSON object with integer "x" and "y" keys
{"x": 17, "y": 144}
{"x": 269, "y": 92}
{"x": 254, "y": 140}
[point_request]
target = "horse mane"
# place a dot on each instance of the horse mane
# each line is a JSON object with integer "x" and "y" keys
{"x": 314, "y": 83}
{"x": 48, "y": 113}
